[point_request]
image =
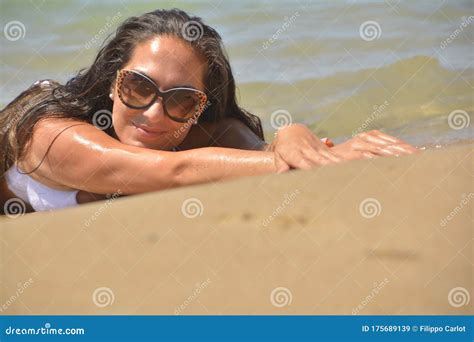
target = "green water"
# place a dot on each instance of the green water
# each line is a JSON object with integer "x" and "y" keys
{"x": 305, "y": 58}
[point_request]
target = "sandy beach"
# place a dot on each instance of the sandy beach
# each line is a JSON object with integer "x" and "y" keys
{"x": 383, "y": 236}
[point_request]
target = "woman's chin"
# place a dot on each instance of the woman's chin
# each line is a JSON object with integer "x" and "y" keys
{"x": 154, "y": 145}
{"x": 162, "y": 141}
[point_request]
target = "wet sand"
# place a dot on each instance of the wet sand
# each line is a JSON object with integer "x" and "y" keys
{"x": 385, "y": 236}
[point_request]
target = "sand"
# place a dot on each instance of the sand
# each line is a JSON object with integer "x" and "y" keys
{"x": 384, "y": 236}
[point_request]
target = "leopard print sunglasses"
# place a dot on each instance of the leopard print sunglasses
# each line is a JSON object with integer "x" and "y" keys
{"x": 138, "y": 91}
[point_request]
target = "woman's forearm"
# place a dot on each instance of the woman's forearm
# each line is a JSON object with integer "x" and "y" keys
{"x": 156, "y": 170}
{"x": 85, "y": 158}
{"x": 214, "y": 163}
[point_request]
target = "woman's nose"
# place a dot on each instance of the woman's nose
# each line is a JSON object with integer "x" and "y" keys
{"x": 155, "y": 112}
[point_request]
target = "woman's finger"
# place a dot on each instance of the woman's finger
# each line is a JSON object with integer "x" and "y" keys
{"x": 376, "y": 149}
{"x": 402, "y": 149}
{"x": 395, "y": 141}
{"x": 304, "y": 164}
{"x": 280, "y": 164}
{"x": 315, "y": 158}
{"x": 319, "y": 150}
{"x": 384, "y": 136}
{"x": 330, "y": 156}
{"x": 375, "y": 139}
{"x": 296, "y": 160}
{"x": 369, "y": 155}
{"x": 322, "y": 149}
{"x": 401, "y": 146}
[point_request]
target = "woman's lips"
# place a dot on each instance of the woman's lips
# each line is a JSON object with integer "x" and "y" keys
{"x": 147, "y": 132}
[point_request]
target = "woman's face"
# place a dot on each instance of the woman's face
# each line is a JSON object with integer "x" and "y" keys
{"x": 170, "y": 63}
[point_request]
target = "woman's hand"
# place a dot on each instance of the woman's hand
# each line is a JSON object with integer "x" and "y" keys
{"x": 296, "y": 147}
{"x": 372, "y": 144}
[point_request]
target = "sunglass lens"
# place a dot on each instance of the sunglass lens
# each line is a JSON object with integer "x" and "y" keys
{"x": 136, "y": 90}
{"x": 181, "y": 103}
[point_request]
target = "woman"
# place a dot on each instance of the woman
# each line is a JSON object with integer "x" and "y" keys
{"x": 174, "y": 121}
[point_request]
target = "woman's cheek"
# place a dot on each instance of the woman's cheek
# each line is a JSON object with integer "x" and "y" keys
{"x": 122, "y": 126}
{"x": 180, "y": 132}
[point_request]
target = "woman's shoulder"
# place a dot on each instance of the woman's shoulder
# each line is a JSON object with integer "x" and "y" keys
{"x": 226, "y": 132}
{"x": 51, "y": 124}
{"x": 45, "y": 135}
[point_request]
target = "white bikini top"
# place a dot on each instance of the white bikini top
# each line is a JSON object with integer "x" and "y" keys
{"x": 38, "y": 195}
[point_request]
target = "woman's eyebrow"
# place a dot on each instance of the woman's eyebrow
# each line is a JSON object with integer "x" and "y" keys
{"x": 156, "y": 83}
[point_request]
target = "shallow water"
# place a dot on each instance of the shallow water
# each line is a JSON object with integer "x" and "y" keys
{"x": 308, "y": 62}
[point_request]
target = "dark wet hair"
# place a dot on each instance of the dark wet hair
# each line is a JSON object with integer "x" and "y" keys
{"x": 88, "y": 92}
